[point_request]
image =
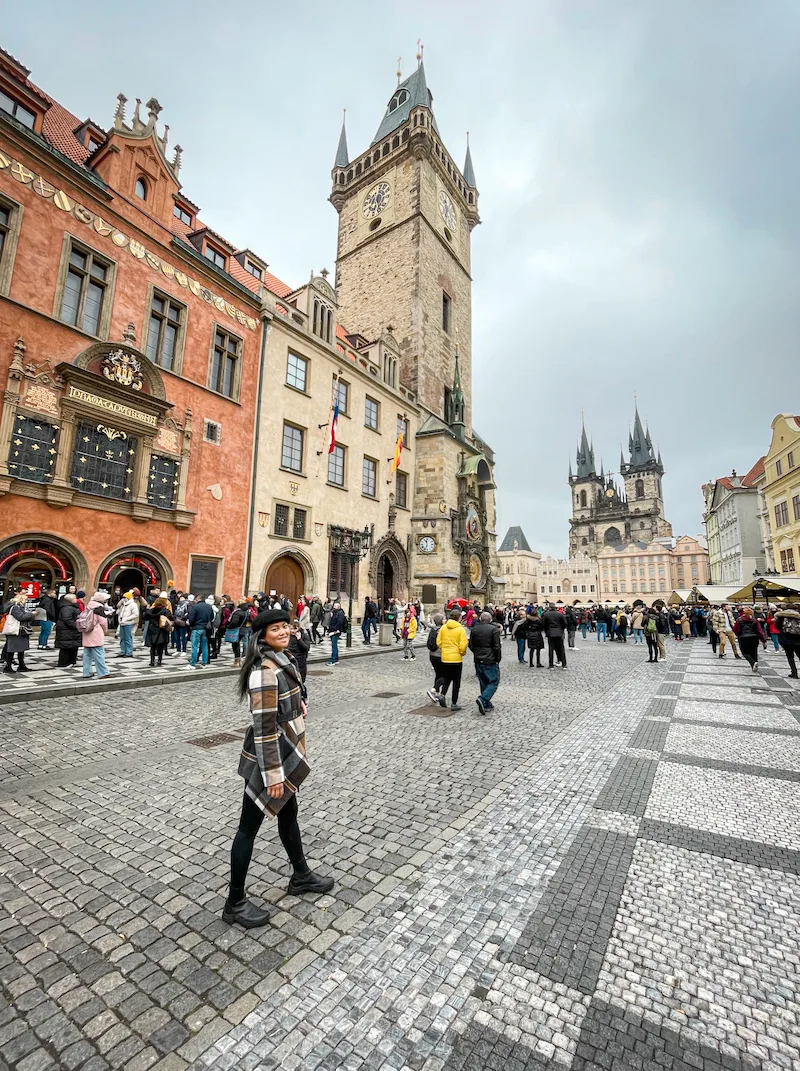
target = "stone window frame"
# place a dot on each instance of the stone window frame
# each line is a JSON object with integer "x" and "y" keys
{"x": 220, "y": 560}
{"x": 291, "y": 506}
{"x": 15, "y": 210}
{"x": 303, "y": 444}
{"x": 180, "y": 343}
{"x": 237, "y": 376}
{"x": 290, "y": 353}
{"x": 397, "y": 502}
{"x": 72, "y": 242}
{"x": 332, "y": 483}
{"x": 368, "y": 398}
{"x": 338, "y": 383}
{"x": 376, "y": 473}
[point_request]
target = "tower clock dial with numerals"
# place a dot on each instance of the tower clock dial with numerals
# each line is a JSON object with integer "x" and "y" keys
{"x": 447, "y": 210}
{"x": 376, "y": 200}
{"x": 427, "y": 544}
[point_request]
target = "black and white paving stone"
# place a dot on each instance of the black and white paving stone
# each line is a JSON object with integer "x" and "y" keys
{"x": 602, "y": 874}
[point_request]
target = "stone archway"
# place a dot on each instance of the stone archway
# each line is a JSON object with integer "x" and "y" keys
{"x": 141, "y": 566}
{"x": 388, "y": 570}
{"x": 59, "y": 562}
{"x": 290, "y": 568}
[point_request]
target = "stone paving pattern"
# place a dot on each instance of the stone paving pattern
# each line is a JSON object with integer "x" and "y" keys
{"x": 452, "y": 840}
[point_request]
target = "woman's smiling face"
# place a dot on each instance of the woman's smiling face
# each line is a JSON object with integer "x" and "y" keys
{"x": 277, "y": 635}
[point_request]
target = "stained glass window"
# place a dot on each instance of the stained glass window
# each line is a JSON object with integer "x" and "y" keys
{"x": 162, "y": 482}
{"x": 104, "y": 462}
{"x": 32, "y": 455}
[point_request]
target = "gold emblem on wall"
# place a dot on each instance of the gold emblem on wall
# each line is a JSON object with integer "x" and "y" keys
{"x": 475, "y": 571}
{"x": 123, "y": 368}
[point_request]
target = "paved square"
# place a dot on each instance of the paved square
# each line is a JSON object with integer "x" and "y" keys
{"x": 602, "y": 873}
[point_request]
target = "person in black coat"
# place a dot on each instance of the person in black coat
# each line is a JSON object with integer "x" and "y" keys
{"x": 571, "y": 620}
{"x": 554, "y": 627}
{"x": 534, "y": 633}
{"x": 68, "y": 639}
{"x": 299, "y": 645}
{"x": 48, "y": 604}
{"x": 484, "y": 642}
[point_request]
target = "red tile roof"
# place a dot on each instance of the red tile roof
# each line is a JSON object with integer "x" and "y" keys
{"x": 58, "y": 129}
{"x": 756, "y": 471}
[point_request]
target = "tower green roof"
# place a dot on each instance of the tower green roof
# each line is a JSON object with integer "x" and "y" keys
{"x": 413, "y": 93}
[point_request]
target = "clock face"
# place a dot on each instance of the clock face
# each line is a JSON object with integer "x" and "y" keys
{"x": 427, "y": 544}
{"x": 377, "y": 200}
{"x": 472, "y": 524}
{"x": 447, "y": 210}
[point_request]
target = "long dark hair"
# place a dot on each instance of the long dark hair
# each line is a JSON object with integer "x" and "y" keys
{"x": 252, "y": 659}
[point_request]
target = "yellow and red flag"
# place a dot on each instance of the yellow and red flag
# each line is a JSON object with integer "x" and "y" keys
{"x": 398, "y": 451}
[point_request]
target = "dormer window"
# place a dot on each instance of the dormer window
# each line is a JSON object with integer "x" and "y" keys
{"x": 141, "y": 189}
{"x": 254, "y": 269}
{"x": 214, "y": 255}
{"x": 92, "y": 145}
{"x": 17, "y": 111}
{"x": 400, "y": 97}
{"x": 179, "y": 212}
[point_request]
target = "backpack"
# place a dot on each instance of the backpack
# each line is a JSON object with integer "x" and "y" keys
{"x": 85, "y": 621}
{"x": 650, "y": 627}
{"x": 237, "y": 618}
{"x": 432, "y": 646}
{"x": 790, "y": 626}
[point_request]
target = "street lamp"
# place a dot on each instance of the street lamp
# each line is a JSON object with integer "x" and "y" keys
{"x": 352, "y": 546}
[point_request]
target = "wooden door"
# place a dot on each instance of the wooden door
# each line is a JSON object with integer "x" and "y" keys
{"x": 286, "y": 578}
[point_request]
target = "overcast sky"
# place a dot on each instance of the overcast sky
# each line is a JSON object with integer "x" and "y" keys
{"x": 638, "y": 172}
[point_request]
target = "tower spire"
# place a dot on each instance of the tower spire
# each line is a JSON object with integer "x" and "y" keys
{"x": 469, "y": 172}
{"x": 342, "y": 158}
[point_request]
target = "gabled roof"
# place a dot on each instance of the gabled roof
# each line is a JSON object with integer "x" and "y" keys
{"x": 416, "y": 95}
{"x": 515, "y": 534}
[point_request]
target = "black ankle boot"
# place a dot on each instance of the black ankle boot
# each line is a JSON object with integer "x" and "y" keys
{"x": 309, "y": 883}
{"x": 247, "y": 914}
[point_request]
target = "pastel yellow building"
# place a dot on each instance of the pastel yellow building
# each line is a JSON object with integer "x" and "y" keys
{"x": 650, "y": 571}
{"x": 781, "y": 491}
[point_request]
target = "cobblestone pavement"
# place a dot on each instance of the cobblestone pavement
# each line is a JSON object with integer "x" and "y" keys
{"x": 46, "y": 676}
{"x": 604, "y": 873}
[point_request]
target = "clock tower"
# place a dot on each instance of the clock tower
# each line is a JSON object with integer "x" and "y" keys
{"x": 406, "y": 215}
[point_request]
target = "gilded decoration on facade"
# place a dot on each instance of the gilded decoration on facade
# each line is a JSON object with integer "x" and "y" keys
{"x": 123, "y": 368}
{"x": 112, "y": 407}
{"x": 84, "y": 215}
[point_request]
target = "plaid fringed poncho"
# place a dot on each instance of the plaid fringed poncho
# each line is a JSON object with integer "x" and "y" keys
{"x": 274, "y": 750}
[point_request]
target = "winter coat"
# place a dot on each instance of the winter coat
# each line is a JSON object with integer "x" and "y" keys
{"x": 571, "y": 619}
{"x": 67, "y": 635}
{"x": 686, "y": 626}
{"x": 298, "y": 648}
{"x": 127, "y": 612}
{"x": 305, "y": 618}
{"x": 19, "y": 642}
{"x": 316, "y": 612}
{"x": 201, "y": 614}
{"x": 274, "y": 750}
{"x": 484, "y": 642}
{"x": 157, "y": 636}
{"x": 338, "y": 623}
{"x": 637, "y": 619}
{"x": 47, "y": 604}
{"x": 751, "y": 626}
{"x": 519, "y": 630}
{"x": 97, "y": 637}
{"x": 788, "y": 622}
{"x": 409, "y": 628}
{"x": 452, "y": 641}
{"x": 534, "y": 632}
{"x": 554, "y": 624}
{"x": 433, "y": 650}
{"x": 718, "y": 622}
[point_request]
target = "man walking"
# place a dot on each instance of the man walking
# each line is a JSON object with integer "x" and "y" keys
{"x": 722, "y": 620}
{"x": 572, "y": 625}
{"x": 601, "y": 617}
{"x": 554, "y": 627}
{"x": 484, "y": 642}
{"x": 338, "y": 625}
{"x": 201, "y": 620}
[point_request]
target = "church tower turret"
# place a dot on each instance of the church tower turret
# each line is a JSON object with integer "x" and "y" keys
{"x": 587, "y": 490}
{"x": 642, "y": 474}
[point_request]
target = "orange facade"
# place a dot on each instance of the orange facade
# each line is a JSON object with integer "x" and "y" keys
{"x": 129, "y": 357}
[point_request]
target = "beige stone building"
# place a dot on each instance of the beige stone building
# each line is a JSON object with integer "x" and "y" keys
{"x": 519, "y": 567}
{"x": 393, "y": 338}
{"x": 651, "y": 571}
{"x": 568, "y": 580}
{"x": 781, "y": 490}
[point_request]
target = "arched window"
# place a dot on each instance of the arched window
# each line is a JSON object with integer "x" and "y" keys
{"x": 400, "y": 97}
{"x": 640, "y": 488}
{"x": 141, "y": 189}
{"x": 583, "y": 499}
{"x": 584, "y": 542}
{"x": 612, "y": 537}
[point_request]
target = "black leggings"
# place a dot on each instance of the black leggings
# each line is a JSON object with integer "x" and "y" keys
{"x": 242, "y": 847}
{"x": 652, "y": 645}
{"x": 535, "y": 651}
{"x": 749, "y": 646}
{"x": 451, "y": 671}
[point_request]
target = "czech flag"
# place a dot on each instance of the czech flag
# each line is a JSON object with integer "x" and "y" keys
{"x": 332, "y": 425}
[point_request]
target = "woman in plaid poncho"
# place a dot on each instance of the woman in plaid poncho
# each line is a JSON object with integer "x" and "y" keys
{"x": 273, "y": 764}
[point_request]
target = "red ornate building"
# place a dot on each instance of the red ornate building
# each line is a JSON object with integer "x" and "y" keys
{"x": 130, "y": 346}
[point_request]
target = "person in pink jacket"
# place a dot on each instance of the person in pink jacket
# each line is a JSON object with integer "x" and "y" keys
{"x": 93, "y": 642}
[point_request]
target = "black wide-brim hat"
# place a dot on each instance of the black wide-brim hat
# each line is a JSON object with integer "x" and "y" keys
{"x": 269, "y": 617}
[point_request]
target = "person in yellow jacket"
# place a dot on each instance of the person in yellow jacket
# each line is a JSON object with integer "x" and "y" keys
{"x": 408, "y": 631}
{"x": 452, "y": 642}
